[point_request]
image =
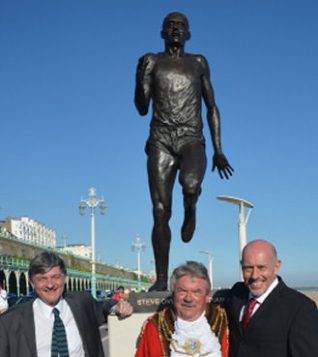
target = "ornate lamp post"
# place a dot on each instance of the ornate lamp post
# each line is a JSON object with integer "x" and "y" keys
{"x": 138, "y": 246}
{"x": 92, "y": 203}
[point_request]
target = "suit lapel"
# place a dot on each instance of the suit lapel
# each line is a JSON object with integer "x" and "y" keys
{"x": 239, "y": 299}
{"x": 237, "y": 311}
{"x": 28, "y": 327}
{"x": 77, "y": 311}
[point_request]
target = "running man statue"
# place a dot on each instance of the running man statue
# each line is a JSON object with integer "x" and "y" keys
{"x": 176, "y": 82}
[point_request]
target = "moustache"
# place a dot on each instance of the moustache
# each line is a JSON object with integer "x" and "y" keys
{"x": 188, "y": 304}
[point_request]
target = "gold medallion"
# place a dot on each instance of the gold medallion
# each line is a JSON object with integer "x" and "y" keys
{"x": 192, "y": 346}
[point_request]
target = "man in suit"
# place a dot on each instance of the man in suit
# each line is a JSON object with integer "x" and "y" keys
{"x": 27, "y": 329}
{"x": 283, "y": 322}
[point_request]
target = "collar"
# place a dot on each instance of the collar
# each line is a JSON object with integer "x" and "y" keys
{"x": 191, "y": 323}
{"x": 46, "y": 309}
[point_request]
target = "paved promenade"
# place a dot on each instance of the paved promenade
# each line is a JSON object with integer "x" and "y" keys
{"x": 313, "y": 295}
{"x": 104, "y": 336}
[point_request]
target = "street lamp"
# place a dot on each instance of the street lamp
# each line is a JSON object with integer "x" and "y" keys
{"x": 242, "y": 220}
{"x": 92, "y": 203}
{"x": 153, "y": 269}
{"x": 138, "y": 246}
{"x": 64, "y": 239}
{"x": 210, "y": 263}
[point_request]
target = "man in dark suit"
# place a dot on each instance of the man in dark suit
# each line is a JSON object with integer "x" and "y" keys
{"x": 27, "y": 330}
{"x": 283, "y": 322}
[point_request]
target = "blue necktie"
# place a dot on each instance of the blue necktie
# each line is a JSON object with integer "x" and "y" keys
{"x": 59, "y": 342}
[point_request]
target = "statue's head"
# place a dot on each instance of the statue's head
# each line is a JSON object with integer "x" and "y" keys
{"x": 175, "y": 29}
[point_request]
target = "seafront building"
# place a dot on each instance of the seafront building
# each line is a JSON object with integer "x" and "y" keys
{"x": 80, "y": 250}
{"x": 29, "y": 230}
{"x": 23, "y": 238}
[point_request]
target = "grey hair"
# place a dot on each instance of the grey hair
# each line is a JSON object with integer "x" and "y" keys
{"x": 44, "y": 262}
{"x": 192, "y": 269}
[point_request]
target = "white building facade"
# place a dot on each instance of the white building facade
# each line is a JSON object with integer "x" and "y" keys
{"x": 31, "y": 231}
{"x": 81, "y": 250}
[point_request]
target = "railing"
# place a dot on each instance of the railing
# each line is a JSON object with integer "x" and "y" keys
{"x": 8, "y": 261}
{"x": 14, "y": 263}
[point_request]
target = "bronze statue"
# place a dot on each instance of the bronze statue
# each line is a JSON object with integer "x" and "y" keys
{"x": 176, "y": 82}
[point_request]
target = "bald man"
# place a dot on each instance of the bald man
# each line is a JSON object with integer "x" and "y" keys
{"x": 282, "y": 321}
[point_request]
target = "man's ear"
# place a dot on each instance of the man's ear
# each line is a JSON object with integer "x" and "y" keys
{"x": 189, "y": 36}
{"x": 277, "y": 266}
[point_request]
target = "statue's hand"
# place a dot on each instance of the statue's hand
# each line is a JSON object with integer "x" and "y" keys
{"x": 224, "y": 168}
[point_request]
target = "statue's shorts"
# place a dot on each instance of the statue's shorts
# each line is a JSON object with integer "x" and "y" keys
{"x": 171, "y": 140}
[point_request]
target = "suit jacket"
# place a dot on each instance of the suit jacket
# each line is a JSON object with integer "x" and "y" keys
{"x": 285, "y": 324}
{"x": 17, "y": 328}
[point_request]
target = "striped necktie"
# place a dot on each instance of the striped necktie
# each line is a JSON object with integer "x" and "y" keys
{"x": 59, "y": 342}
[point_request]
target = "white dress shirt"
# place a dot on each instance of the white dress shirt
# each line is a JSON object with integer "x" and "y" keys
{"x": 44, "y": 319}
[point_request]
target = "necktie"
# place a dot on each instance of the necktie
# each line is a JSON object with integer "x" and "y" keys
{"x": 59, "y": 342}
{"x": 248, "y": 312}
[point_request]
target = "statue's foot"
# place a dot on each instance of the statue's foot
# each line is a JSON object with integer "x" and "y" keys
{"x": 159, "y": 285}
{"x": 188, "y": 226}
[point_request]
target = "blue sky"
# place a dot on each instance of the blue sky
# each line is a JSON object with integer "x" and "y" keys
{"x": 68, "y": 122}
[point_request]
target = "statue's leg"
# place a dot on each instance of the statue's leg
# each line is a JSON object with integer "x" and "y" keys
{"x": 192, "y": 169}
{"x": 162, "y": 171}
